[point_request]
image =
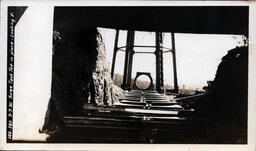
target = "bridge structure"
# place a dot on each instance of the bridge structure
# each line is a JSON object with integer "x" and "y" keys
{"x": 159, "y": 52}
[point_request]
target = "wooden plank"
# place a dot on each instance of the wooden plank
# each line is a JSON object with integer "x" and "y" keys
{"x": 149, "y": 111}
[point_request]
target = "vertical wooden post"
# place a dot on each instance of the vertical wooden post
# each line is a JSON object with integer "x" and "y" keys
{"x": 159, "y": 62}
{"x": 128, "y": 60}
{"x": 114, "y": 54}
{"x": 176, "y": 88}
{"x": 131, "y": 53}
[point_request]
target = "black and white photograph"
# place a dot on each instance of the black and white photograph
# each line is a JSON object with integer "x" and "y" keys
{"x": 129, "y": 74}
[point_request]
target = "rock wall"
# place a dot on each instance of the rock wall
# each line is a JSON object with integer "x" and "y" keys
{"x": 225, "y": 104}
{"x": 80, "y": 74}
{"x": 230, "y": 87}
{"x": 103, "y": 84}
{"x": 227, "y": 98}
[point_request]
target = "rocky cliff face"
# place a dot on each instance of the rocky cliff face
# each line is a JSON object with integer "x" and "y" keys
{"x": 103, "y": 84}
{"x": 225, "y": 104}
{"x": 230, "y": 86}
{"x": 227, "y": 96}
{"x": 80, "y": 74}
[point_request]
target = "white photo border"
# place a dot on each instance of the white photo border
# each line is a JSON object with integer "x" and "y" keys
{"x": 45, "y": 146}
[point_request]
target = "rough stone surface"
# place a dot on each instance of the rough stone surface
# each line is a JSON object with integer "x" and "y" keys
{"x": 225, "y": 103}
{"x": 80, "y": 74}
{"x": 103, "y": 84}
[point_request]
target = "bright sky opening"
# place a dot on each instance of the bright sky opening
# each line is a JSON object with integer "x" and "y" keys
{"x": 197, "y": 55}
